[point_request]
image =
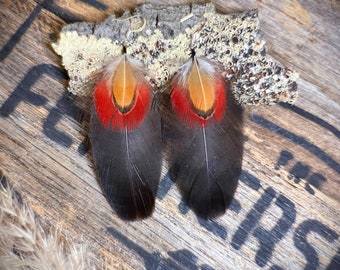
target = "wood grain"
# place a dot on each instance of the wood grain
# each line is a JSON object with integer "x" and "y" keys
{"x": 285, "y": 213}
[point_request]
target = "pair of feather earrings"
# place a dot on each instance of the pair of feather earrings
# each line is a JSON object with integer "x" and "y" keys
{"x": 198, "y": 123}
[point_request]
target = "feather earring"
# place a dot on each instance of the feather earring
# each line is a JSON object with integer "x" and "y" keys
{"x": 125, "y": 135}
{"x": 202, "y": 126}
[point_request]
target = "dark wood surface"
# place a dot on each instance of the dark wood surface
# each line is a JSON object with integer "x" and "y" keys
{"x": 286, "y": 210}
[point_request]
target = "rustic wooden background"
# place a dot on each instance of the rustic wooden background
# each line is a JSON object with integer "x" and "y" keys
{"x": 286, "y": 211}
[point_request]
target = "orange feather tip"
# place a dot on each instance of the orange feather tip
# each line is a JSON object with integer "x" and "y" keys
{"x": 198, "y": 94}
{"x": 122, "y": 97}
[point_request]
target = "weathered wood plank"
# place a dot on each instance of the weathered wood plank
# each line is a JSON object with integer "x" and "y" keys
{"x": 283, "y": 215}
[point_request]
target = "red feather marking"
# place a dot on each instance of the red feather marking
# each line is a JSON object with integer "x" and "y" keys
{"x": 184, "y": 109}
{"x": 103, "y": 102}
{"x": 221, "y": 99}
{"x": 108, "y": 113}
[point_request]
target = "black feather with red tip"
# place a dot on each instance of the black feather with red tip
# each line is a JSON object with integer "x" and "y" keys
{"x": 204, "y": 153}
{"x": 125, "y": 134}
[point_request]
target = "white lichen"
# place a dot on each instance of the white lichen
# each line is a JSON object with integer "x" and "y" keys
{"x": 166, "y": 40}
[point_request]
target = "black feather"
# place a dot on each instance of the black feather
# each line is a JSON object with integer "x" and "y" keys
{"x": 205, "y": 162}
{"x": 128, "y": 165}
